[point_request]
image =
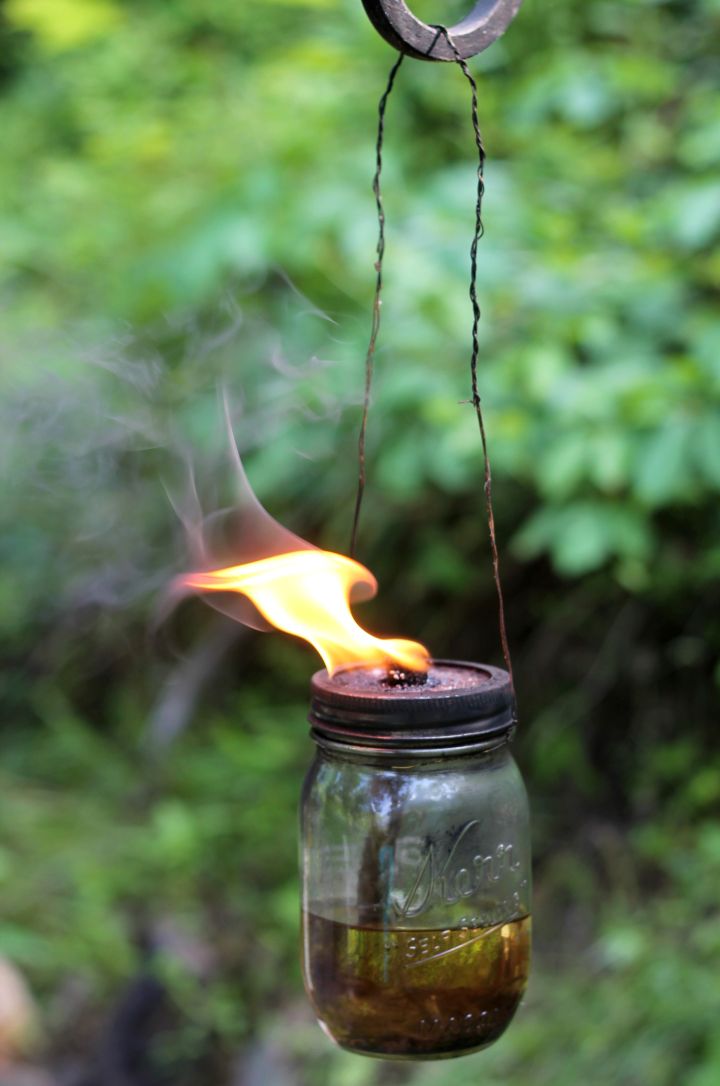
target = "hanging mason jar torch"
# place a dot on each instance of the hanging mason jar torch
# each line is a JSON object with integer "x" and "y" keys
{"x": 415, "y": 862}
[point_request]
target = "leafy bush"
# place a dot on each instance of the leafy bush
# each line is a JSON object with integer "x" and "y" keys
{"x": 186, "y": 202}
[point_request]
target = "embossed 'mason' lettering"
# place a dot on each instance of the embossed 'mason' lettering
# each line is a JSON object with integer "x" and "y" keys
{"x": 448, "y": 882}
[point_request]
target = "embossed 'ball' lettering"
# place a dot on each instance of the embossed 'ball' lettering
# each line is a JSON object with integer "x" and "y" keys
{"x": 434, "y": 881}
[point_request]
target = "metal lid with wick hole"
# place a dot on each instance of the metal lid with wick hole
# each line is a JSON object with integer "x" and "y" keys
{"x": 459, "y": 706}
{"x": 403, "y": 30}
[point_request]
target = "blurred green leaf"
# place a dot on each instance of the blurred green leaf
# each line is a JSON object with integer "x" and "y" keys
{"x": 661, "y": 473}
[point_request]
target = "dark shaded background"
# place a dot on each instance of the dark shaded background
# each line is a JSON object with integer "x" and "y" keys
{"x": 186, "y": 202}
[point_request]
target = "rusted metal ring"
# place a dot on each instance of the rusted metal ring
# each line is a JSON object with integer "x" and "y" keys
{"x": 484, "y": 25}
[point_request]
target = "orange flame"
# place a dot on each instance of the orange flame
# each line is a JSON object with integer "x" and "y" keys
{"x": 308, "y": 593}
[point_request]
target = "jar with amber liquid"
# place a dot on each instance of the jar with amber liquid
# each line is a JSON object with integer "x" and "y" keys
{"x": 415, "y": 861}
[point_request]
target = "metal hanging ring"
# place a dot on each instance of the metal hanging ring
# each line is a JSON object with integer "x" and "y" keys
{"x": 403, "y": 30}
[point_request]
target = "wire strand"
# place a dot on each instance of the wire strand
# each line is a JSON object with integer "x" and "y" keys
{"x": 377, "y": 301}
{"x": 476, "y": 400}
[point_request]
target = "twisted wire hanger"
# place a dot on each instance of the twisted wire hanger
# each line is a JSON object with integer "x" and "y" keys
{"x": 475, "y": 400}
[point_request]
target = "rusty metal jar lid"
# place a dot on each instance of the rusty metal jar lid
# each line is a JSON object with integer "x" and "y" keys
{"x": 459, "y": 705}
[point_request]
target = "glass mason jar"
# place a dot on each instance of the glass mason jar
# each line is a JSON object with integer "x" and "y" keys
{"x": 415, "y": 862}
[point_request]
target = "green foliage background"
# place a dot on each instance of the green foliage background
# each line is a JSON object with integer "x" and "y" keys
{"x": 186, "y": 202}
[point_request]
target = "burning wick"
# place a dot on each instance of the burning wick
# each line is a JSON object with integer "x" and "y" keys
{"x": 400, "y": 676}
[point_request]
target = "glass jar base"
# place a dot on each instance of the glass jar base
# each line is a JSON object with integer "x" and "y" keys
{"x": 415, "y": 1057}
{"x": 415, "y": 993}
